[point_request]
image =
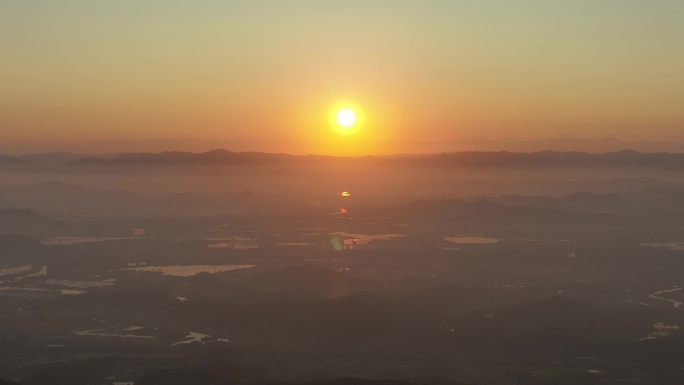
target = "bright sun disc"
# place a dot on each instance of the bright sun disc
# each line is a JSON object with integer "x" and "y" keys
{"x": 346, "y": 117}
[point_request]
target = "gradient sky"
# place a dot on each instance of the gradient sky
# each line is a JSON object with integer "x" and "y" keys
{"x": 429, "y": 75}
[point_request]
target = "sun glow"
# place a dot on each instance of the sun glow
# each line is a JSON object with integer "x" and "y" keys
{"x": 346, "y": 117}
{"x": 347, "y": 127}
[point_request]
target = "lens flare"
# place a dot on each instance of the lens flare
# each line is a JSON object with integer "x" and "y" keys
{"x": 337, "y": 243}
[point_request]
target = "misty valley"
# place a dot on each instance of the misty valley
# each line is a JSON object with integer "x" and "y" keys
{"x": 258, "y": 283}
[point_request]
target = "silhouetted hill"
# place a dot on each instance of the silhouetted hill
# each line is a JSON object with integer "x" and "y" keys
{"x": 18, "y": 216}
{"x": 588, "y": 202}
{"x": 15, "y": 243}
{"x": 655, "y": 192}
{"x": 16, "y": 248}
{"x": 22, "y": 221}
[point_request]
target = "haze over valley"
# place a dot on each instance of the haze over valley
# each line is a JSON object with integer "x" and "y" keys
{"x": 565, "y": 273}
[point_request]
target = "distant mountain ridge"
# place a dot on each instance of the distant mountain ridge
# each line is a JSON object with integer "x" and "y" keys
{"x": 542, "y": 159}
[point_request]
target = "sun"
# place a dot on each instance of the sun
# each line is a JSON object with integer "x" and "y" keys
{"x": 346, "y": 118}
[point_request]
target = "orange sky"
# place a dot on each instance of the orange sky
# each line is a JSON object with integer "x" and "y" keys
{"x": 263, "y": 75}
